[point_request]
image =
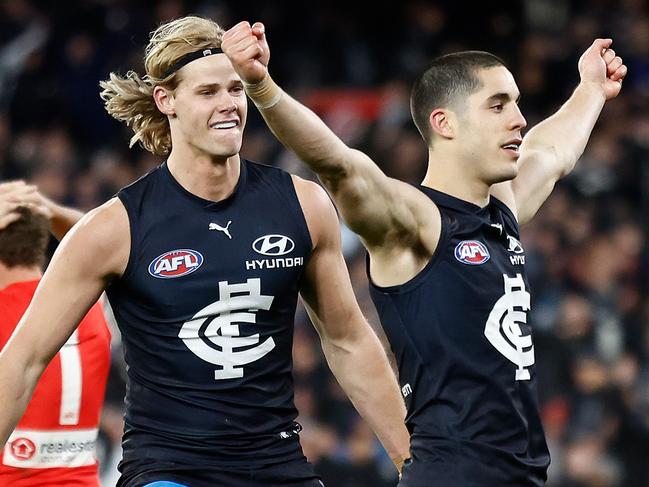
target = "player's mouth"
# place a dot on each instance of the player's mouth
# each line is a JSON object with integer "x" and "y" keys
{"x": 512, "y": 147}
{"x": 225, "y": 124}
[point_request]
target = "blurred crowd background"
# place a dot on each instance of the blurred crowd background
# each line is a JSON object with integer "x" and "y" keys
{"x": 353, "y": 62}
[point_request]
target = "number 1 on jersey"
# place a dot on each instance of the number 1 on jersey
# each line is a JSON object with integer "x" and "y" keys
{"x": 70, "y": 381}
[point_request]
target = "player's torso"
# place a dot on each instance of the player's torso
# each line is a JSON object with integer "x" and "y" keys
{"x": 461, "y": 335}
{"x": 206, "y": 305}
{"x": 59, "y": 427}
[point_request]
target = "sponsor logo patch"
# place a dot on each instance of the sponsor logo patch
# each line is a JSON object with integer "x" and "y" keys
{"x": 472, "y": 252}
{"x": 175, "y": 263}
{"x": 22, "y": 448}
{"x": 514, "y": 245}
{"x": 273, "y": 245}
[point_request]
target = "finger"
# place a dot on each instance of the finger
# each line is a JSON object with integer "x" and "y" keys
{"x": 40, "y": 209}
{"x": 608, "y": 55}
{"x": 11, "y": 186}
{"x": 21, "y": 193}
{"x": 601, "y": 44}
{"x": 242, "y": 28}
{"x": 244, "y": 52}
{"x": 7, "y": 220}
{"x": 620, "y": 73}
{"x": 7, "y": 207}
{"x": 29, "y": 199}
{"x": 258, "y": 29}
{"x": 252, "y": 52}
{"x": 614, "y": 65}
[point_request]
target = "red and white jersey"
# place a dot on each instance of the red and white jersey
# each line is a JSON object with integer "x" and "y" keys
{"x": 54, "y": 442}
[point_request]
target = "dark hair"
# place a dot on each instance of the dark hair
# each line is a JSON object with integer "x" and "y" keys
{"x": 447, "y": 79}
{"x": 23, "y": 242}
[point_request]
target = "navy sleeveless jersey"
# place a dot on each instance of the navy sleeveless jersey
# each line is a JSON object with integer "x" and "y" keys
{"x": 206, "y": 308}
{"x": 463, "y": 343}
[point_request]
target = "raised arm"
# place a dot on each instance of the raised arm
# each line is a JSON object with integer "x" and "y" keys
{"x": 95, "y": 251}
{"x": 353, "y": 351}
{"x": 18, "y": 193}
{"x": 374, "y": 206}
{"x": 551, "y": 149}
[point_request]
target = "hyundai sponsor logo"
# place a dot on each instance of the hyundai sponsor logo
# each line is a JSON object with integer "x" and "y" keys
{"x": 273, "y": 245}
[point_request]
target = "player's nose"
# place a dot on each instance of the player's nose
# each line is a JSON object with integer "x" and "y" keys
{"x": 518, "y": 121}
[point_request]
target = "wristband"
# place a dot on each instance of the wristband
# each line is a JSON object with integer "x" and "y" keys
{"x": 265, "y": 94}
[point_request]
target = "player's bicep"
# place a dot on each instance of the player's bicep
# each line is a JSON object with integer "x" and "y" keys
{"x": 536, "y": 178}
{"x": 372, "y": 204}
{"x": 325, "y": 286}
{"x": 88, "y": 257}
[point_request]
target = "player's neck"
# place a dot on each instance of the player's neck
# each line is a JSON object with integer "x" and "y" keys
{"x": 12, "y": 275}
{"x": 445, "y": 174}
{"x": 209, "y": 178}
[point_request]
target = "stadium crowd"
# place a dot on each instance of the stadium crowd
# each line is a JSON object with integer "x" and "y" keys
{"x": 587, "y": 249}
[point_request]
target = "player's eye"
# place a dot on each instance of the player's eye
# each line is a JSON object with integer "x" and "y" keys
{"x": 498, "y": 107}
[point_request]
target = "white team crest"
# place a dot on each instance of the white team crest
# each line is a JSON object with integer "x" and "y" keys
{"x": 503, "y": 328}
{"x": 237, "y": 304}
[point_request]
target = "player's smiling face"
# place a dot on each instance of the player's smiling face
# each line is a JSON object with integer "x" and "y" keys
{"x": 210, "y": 106}
{"x": 491, "y": 126}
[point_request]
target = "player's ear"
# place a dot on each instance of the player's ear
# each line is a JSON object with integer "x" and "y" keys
{"x": 441, "y": 123}
{"x": 164, "y": 100}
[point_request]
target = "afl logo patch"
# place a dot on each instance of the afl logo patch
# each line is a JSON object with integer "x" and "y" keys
{"x": 471, "y": 252}
{"x": 175, "y": 263}
{"x": 273, "y": 245}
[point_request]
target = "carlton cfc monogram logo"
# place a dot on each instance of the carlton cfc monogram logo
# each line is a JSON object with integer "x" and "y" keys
{"x": 503, "y": 327}
{"x": 213, "y": 335}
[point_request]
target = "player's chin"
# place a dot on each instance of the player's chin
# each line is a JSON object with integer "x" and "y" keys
{"x": 227, "y": 148}
{"x": 505, "y": 174}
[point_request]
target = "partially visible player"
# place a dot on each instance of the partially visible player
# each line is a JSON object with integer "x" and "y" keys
{"x": 446, "y": 265}
{"x": 54, "y": 442}
{"x": 203, "y": 260}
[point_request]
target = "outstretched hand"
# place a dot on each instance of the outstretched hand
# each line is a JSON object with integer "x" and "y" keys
{"x": 18, "y": 193}
{"x": 600, "y": 65}
{"x": 248, "y": 51}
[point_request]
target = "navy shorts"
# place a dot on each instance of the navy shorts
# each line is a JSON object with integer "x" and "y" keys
{"x": 296, "y": 473}
{"x": 441, "y": 471}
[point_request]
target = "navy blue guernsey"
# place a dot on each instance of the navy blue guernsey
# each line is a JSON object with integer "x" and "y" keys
{"x": 206, "y": 308}
{"x": 460, "y": 333}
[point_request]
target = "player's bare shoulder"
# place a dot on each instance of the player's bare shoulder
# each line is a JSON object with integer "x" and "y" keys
{"x": 101, "y": 238}
{"x": 319, "y": 212}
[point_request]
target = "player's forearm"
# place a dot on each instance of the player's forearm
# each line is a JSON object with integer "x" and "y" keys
{"x": 18, "y": 378}
{"x": 63, "y": 219}
{"x": 566, "y": 133}
{"x": 363, "y": 371}
{"x": 299, "y": 129}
